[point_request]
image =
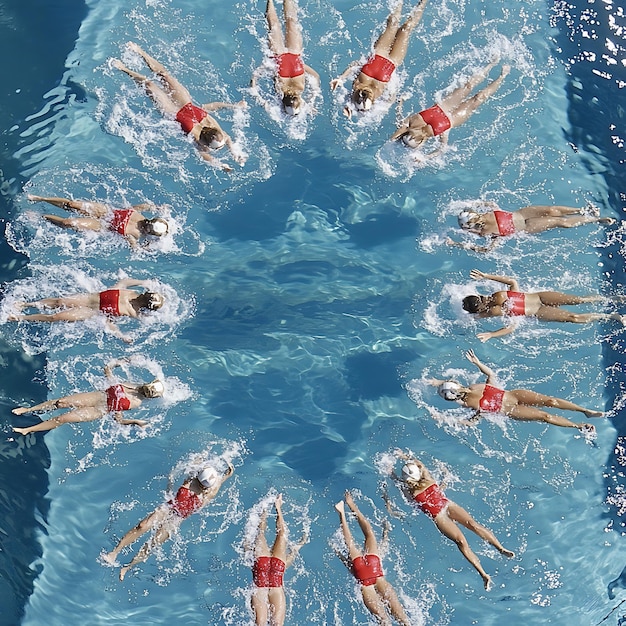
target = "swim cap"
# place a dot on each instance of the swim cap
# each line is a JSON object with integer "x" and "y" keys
{"x": 450, "y": 390}
{"x": 362, "y": 100}
{"x": 157, "y": 226}
{"x": 291, "y": 104}
{"x": 411, "y": 471}
{"x": 154, "y": 300}
{"x": 157, "y": 388}
{"x": 410, "y": 141}
{"x": 465, "y": 217}
{"x": 208, "y": 477}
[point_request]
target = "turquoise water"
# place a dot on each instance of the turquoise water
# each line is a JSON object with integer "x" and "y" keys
{"x": 310, "y": 295}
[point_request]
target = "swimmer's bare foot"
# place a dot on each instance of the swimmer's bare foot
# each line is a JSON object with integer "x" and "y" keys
{"x": 350, "y": 501}
{"x": 20, "y": 410}
{"x": 609, "y": 221}
{"x": 592, "y": 413}
{"x": 618, "y": 318}
{"x": 33, "y": 198}
{"x": 508, "y": 553}
{"x": 339, "y": 507}
{"x": 21, "y": 431}
{"x": 505, "y": 70}
{"x": 110, "y": 558}
{"x": 123, "y": 572}
{"x": 487, "y": 582}
{"x": 118, "y": 65}
{"x": 135, "y": 47}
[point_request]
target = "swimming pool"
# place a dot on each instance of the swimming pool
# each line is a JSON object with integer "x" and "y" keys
{"x": 312, "y": 292}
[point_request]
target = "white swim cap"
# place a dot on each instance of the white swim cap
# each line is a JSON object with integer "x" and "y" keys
{"x": 208, "y": 477}
{"x": 217, "y": 144}
{"x": 410, "y": 141}
{"x": 157, "y": 388}
{"x": 158, "y": 226}
{"x": 465, "y": 217}
{"x": 450, "y": 390}
{"x": 411, "y": 471}
{"x": 364, "y": 105}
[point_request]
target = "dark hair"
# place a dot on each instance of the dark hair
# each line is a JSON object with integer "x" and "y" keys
{"x": 291, "y": 100}
{"x": 149, "y": 300}
{"x": 147, "y": 226}
{"x": 472, "y": 304}
{"x": 208, "y": 135}
{"x": 360, "y": 96}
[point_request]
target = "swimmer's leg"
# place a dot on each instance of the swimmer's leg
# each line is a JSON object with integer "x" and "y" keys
{"x": 75, "y": 223}
{"x": 293, "y": 30}
{"x": 384, "y": 43}
{"x": 160, "y": 537}
{"x": 87, "y": 414}
{"x": 401, "y": 42}
{"x": 275, "y": 31}
{"x": 462, "y": 110}
{"x": 177, "y": 92}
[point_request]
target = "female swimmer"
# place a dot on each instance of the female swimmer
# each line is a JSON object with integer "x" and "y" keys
{"x": 544, "y": 305}
{"x": 389, "y": 52}
{"x": 196, "y": 492}
{"x": 452, "y": 111}
{"x": 495, "y": 224}
{"x": 117, "y": 301}
{"x": 418, "y": 485}
{"x": 518, "y": 404}
{"x": 290, "y": 75}
{"x": 97, "y": 216}
{"x": 172, "y": 99}
{"x": 268, "y": 597}
{"x": 378, "y": 595}
{"x": 92, "y": 405}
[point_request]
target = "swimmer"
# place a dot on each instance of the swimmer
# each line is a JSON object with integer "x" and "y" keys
{"x": 518, "y": 404}
{"x": 291, "y": 71}
{"x": 97, "y": 216}
{"x": 268, "y": 597}
{"x": 495, "y": 224}
{"x": 93, "y": 405}
{"x": 452, "y": 111}
{"x": 378, "y": 595}
{"x": 174, "y": 101}
{"x": 418, "y": 485}
{"x": 544, "y": 305}
{"x": 117, "y": 301}
{"x": 389, "y": 52}
{"x": 196, "y": 492}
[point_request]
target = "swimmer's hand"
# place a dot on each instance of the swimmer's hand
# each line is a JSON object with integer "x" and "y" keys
{"x": 477, "y": 274}
{"x": 335, "y": 82}
{"x": 483, "y": 337}
{"x": 347, "y": 111}
{"x": 242, "y": 104}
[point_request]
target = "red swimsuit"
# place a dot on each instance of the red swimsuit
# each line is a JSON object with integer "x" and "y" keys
{"x": 515, "y": 303}
{"x": 119, "y": 221}
{"x": 432, "y": 500}
{"x": 189, "y": 116}
{"x": 379, "y": 68}
{"x": 117, "y": 400}
{"x": 436, "y": 119}
{"x": 504, "y": 220}
{"x": 110, "y": 302}
{"x": 289, "y": 65}
{"x": 491, "y": 400}
{"x": 268, "y": 571}
{"x": 367, "y": 569}
{"x": 186, "y": 502}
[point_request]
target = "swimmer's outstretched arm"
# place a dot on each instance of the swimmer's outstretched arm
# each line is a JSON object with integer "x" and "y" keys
{"x": 313, "y": 74}
{"x": 335, "y": 82}
{"x": 505, "y": 280}
{"x": 492, "y": 243}
{"x": 130, "y": 282}
{"x": 128, "y": 422}
{"x": 239, "y": 158}
{"x": 216, "y": 106}
{"x": 115, "y": 330}
{"x": 486, "y": 370}
{"x": 209, "y": 158}
{"x": 505, "y": 330}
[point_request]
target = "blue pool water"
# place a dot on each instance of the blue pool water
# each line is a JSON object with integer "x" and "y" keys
{"x": 310, "y": 296}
